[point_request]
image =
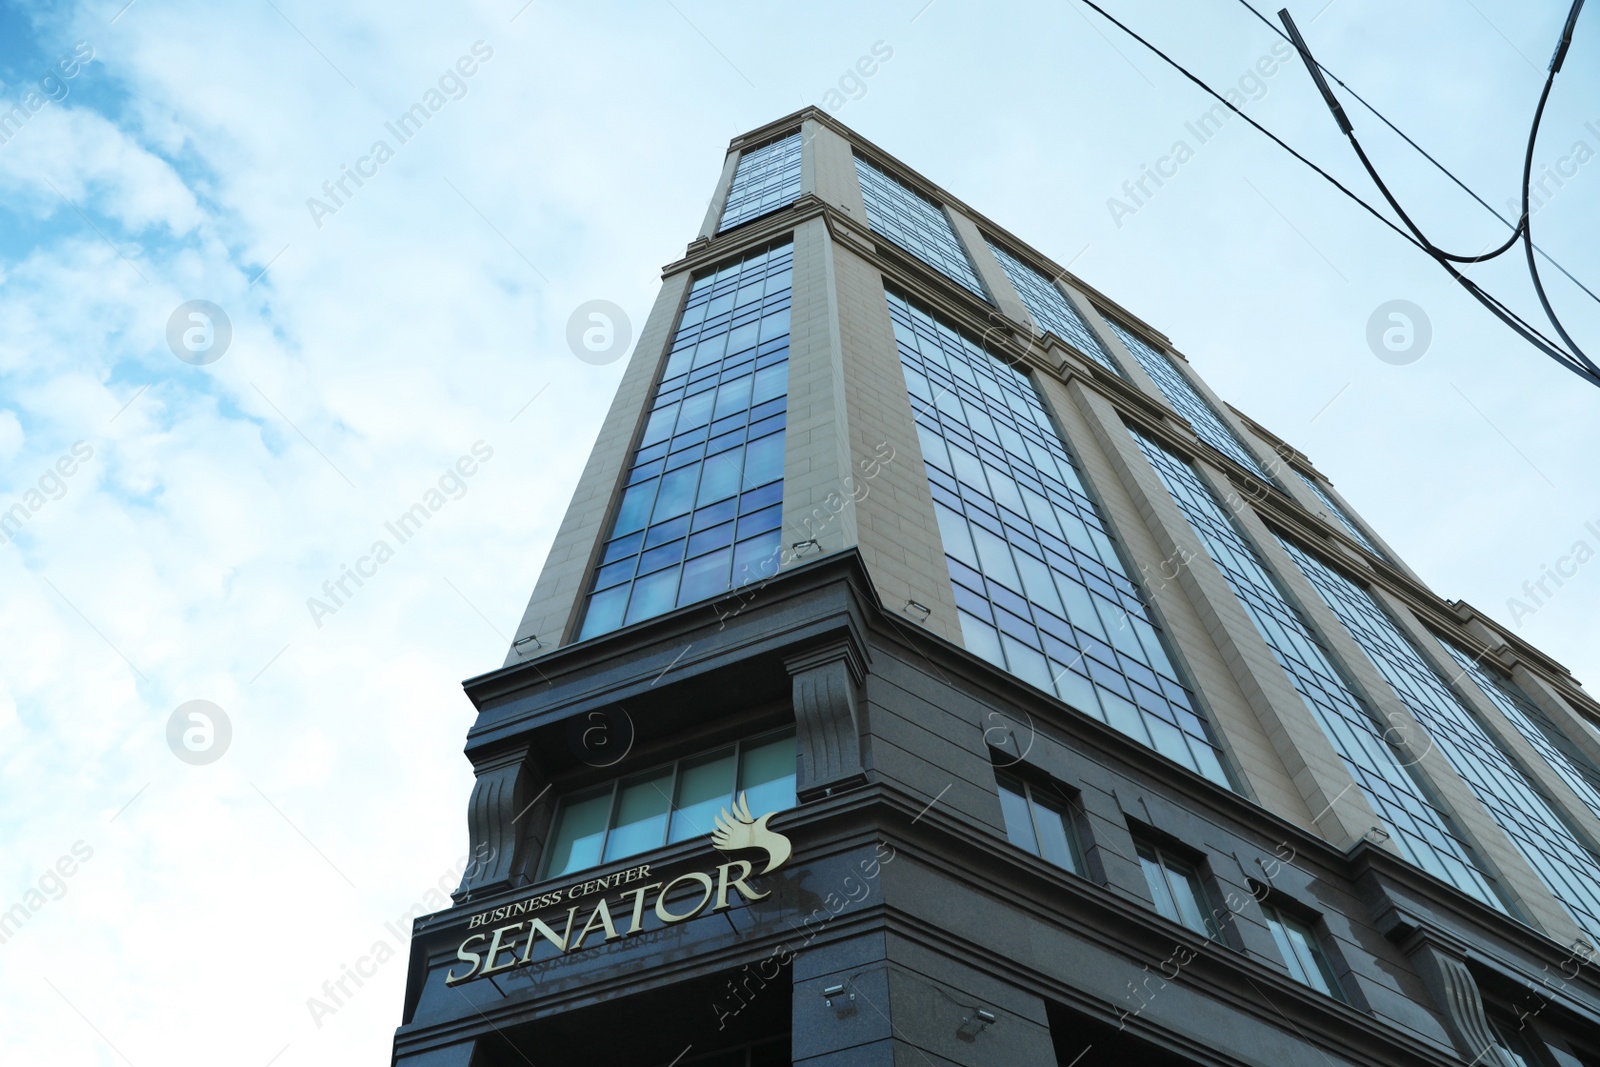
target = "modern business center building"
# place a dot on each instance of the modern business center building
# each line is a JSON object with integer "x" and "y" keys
{"x": 930, "y": 669}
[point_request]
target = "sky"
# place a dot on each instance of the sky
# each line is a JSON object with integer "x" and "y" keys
{"x": 190, "y": 484}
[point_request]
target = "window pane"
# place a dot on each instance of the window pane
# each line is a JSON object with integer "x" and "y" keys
{"x": 766, "y": 774}
{"x": 1190, "y": 897}
{"x": 653, "y": 595}
{"x": 1019, "y": 827}
{"x": 1309, "y": 954}
{"x": 705, "y": 787}
{"x": 579, "y": 832}
{"x": 640, "y": 823}
{"x": 605, "y": 612}
{"x": 1055, "y": 843}
{"x": 1291, "y": 960}
{"x": 1156, "y": 879}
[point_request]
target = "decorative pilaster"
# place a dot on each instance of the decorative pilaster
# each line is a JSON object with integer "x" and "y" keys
{"x": 1456, "y": 996}
{"x": 827, "y": 719}
{"x": 492, "y": 824}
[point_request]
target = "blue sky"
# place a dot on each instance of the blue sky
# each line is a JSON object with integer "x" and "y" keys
{"x": 371, "y": 351}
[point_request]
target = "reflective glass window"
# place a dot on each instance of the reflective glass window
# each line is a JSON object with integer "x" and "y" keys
{"x": 671, "y": 803}
{"x": 1339, "y": 513}
{"x": 699, "y": 514}
{"x": 1187, "y": 401}
{"x": 766, "y": 179}
{"x": 1529, "y": 818}
{"x": 1302, "y": 952}
{"x": 1051, "y": 309}
{"x": 1037, "y": 822}
{"x": 916, "y": 224}
{"x": 1176, "y": 888}
{"x": 1565, "y": 758}
{"x": 1422, "y": 832}
{"x": 1041, "y": 588}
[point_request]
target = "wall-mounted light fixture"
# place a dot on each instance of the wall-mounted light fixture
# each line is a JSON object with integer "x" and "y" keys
{"x": 921, "y": 611}
{"x": 829, "y": 992}
{"x": 975, "y": 1024}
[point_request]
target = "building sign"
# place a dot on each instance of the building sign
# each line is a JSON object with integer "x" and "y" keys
{"x": 496, "y": 949}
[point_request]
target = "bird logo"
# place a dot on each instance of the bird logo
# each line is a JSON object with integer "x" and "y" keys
{"x": 740, "y": 831}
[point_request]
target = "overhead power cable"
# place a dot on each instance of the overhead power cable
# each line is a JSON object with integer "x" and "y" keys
{"x": 1526, "y": 330}
{"x": 1446, "y": 171}
{"x": 1572, "y": 357}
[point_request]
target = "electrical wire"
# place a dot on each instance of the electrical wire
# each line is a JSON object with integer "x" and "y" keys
{"x": 1575, "y": 360}
{"x": 1522, "y": 327}
{"x": 1381, "y": 117}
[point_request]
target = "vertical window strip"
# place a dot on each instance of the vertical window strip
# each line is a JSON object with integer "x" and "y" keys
{"x": 1187, "y": 401}
{"x": 1530, "y": 720}
{"x": 1339, "y": 513}
{"x": 766, "y": 179}
{"x": 916, "y": 224}
{"x": 1531, "y": 820}
{"x": 1422, "y": 832}
{"x": 1052, "y": 310}
{"x": 704, "y": 499}
{"x": 1041, "y": 588}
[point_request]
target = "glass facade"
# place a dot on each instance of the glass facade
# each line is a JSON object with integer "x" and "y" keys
{"x": 704, "y": 498}
{"x": 1528, "y": 818}
{"x": 916, "y": 224}
{"x": 1339, "y": 513}
{"x": 669, "y": 804}
{"x": 766, "y": 179}
{"x": 1042, "y": 590}
{"x": 1052, "y": 310}
{"x": 1417, "y": 827}
{"x": 1187, "y": 401}
{"x": 1565, "y": 758}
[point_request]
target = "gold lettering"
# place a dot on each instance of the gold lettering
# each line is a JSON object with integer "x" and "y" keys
{"x": 723, "y": 882}
{"x": 451, "y": 978}
{"x": 603, "y": 913}
{"x": 661, "y": 901}
{"x": 495, "y": 948}
{"x": 638, "y": 905}
{"x": 537, "y": 929}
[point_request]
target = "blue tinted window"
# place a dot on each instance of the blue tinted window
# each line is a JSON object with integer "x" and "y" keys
{"x": 1187, "y": 401}
{"x": 1042, "y": 590}
{"x": 766, "y": 179}
{"x": 1532, "y": 822}
{"x": 1339, "y": 513}
{"x": 1051, "y": 309}
{"x": 1565, "y": 758}
{"x": 916, "y": 224}
{"x": 672, "y": 803}
{"x": 1423, "y": 834}
{"x": 696, "y": 518}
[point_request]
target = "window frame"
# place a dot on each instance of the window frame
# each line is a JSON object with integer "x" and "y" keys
{"x": 1291, "y": 920}
{"x": 1171, "y": 863}
{"x": 564, "y": 801}
{"x": 1021, "y": 785}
